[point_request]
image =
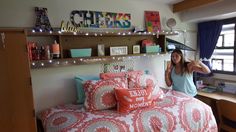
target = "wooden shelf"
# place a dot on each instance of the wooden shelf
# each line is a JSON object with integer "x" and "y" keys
{"x": 86, "y": 60}
{"x": 83, "y": 40}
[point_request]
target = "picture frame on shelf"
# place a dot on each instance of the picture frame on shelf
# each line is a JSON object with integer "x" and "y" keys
{"x": 136, "y": 49}
{"x": 101, "y": 50}
{"x": 119, "y": 50}
{"x": 152, "y": 21}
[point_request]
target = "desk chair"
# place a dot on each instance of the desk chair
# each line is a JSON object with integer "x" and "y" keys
{"x": 227, "y": 115}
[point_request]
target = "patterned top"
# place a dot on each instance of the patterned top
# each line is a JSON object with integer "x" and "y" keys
{"x": 183, "y": 83}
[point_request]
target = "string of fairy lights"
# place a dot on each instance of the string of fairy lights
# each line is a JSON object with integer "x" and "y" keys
{"x": 98, "y": 59}
{"x": 88, "y": 60}
{"x": 162, "y": 32}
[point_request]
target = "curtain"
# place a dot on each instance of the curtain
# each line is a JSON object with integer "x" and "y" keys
{"x": 208, "y": 34}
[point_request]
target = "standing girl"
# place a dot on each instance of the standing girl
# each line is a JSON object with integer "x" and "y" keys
{"x": 179, "y": 73}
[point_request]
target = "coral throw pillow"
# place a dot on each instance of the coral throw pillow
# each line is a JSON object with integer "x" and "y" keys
{"x": 110, "y": 75}
{"x": 100, "y": 94}
{"x": 79, "y": 79}
{"x": 131, "y": 99}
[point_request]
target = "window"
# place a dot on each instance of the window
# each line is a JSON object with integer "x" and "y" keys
{"x": 223, "y": 58}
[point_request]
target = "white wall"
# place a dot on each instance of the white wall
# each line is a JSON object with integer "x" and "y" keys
{"x": 52, "y": 86}
{"x": 21, "y": 14}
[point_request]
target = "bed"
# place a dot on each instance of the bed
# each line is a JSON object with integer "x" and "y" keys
{"x": 175, "y": 112}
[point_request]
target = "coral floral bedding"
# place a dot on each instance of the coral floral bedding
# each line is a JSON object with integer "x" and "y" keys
{"x": 175, "y": 112}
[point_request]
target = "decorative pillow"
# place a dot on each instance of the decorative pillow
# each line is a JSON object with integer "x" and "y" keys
{"x": 131, "y": 99}
{"x": 143, "y": 81}
{"x": 110, "y": 75}
{"x": 137, "y": 79}
{"x": 79, "y": 86}
{"x": 157, "y": 93}
{"x": 121, "y": 74}
{"x": 100, "y": 94}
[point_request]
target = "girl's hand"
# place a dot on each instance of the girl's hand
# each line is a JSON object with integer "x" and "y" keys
{"x": 192, "y": 65}
{"x": 197, "y": 66}
{"x": 169, "y": 66}
{"x": 168, "y": 74}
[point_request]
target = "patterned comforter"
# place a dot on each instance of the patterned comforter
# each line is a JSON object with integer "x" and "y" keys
{"x": 176, "y": 112}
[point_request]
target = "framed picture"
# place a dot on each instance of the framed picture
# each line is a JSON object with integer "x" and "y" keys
{"x": 119, "y": 50}
{"x": 152, "y": 21}
{"x": 136, "y": 49}
{"x": 101, "y": 50}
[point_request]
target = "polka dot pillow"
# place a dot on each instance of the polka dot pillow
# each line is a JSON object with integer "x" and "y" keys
{"x": 100, "y": 93}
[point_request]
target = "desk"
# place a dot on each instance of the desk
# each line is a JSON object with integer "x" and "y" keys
{"x": 211, "y": 98}
{"x": 218, "y": 96}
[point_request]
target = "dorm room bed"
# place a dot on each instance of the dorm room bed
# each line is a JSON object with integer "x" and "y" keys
{"x": 175, "y": 112}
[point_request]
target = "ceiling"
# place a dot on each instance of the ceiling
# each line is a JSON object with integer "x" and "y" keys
{"x": 196, "y": 11}
{"x": 202, "y": 10}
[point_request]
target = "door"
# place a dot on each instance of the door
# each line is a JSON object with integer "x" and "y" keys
{"x": 16, "y": 98}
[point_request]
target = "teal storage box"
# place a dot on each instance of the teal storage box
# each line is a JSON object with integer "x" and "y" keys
{"x": 80, "y": 52}
{"x": 151, "y": 49}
